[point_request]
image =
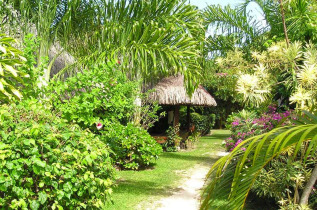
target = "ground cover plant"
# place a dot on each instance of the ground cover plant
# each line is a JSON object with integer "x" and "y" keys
{"x": 47, "y": 162}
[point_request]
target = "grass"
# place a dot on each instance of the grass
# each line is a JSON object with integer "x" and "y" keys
{"x": 137, "y": 189}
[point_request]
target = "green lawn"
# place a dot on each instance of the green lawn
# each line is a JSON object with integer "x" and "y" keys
{"x": 138, "y": 188}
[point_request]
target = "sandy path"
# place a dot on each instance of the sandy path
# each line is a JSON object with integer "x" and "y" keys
{"x": 187, "y": 197}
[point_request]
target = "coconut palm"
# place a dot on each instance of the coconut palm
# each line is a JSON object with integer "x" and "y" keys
{"x": 233, "y": 175}
{"x": 150, "y": 39}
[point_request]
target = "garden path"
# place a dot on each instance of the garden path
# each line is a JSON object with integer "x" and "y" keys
{"x": 175, "y": 180}
{"x": 187, "y": 196}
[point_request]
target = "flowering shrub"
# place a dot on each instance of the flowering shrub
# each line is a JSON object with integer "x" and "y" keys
{"x": 243, "y": 128}
{"x": 48, "y": 163}
{"x": 102, "y": 99}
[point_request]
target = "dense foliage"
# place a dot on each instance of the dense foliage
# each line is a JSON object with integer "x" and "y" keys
{"x": 234, "y": 175}
{"x": 203, "y": 122}
{"x": 47, "y": 162}
{"x": 10, "y": 77}
{"x": 283, "y": 179}
{"x": 132, "y": 147}
{"x": 98, "y": 94}
{"x": 244, "y": 124}
{"x": 103, "y": 100}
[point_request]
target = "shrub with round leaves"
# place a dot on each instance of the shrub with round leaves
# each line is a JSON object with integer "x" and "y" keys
{"x": 98, "y": 94}
{"x": 133, "y": 146}
{"x": 47, "y": 163}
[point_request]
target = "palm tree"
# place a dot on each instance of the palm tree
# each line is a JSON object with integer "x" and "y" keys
{"x": 232, "y": 27}
{"x": 150, "y": 39}
{"x": 294, "y": 19}
{"x": 233, "y": 175}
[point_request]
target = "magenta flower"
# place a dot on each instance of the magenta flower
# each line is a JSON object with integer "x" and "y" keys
{"x": 99, "y": 126}
{"x": 235, "y": 123}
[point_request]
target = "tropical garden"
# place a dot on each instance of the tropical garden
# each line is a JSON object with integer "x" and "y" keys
{"x": 75, "y": 110}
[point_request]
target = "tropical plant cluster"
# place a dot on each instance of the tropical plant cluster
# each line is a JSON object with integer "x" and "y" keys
{"x": 251, "y": 64}
{"x": 246, "y": 124}
{"x": 65, "y": 125}
{"x": 47, "y": 162}
{"x": 61, "y": 143}
{"x": 173, "y": 140}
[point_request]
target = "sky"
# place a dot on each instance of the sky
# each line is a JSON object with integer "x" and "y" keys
{"x": 202, "y": 3}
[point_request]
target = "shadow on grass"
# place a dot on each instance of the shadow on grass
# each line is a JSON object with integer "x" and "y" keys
{"x": 217, "y": 136}
{"x": 143, "y": 188}
{"x": 202, "y": 159}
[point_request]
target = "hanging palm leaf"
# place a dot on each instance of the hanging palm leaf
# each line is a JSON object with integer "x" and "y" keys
{"x": 10, "y": 58}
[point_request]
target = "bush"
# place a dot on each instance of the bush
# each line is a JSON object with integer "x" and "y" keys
{"x": 47, "y": 163}
{"x": 246, "y": 124}
{"x": 203, "y": 123}
{"x": 133, "y": 147}
{"x": 99, "y": 94}
{"x": 173, "y": 139}
{"x": 283, "y": 179}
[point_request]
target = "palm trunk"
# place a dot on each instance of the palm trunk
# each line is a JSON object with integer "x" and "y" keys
{"x": 309, "y": 187}
{"x": 284, "y": 24}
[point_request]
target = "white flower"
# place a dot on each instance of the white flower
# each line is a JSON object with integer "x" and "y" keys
{"x": 99, "y": 126}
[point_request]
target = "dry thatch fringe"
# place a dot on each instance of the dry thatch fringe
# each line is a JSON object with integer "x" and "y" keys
{"x": 171, "y": 91}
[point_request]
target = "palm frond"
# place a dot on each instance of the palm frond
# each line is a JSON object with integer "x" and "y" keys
{"x": 237, "y": 171}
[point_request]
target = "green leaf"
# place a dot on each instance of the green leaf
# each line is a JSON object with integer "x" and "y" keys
{"x": 42, "y": 197}
{"x": 37, "y": 169}
{"x": 41, "y": 184}
{"x": 35, "y": 205}
{"x": 9, "y": 165}
{"x": 40, "y": 163}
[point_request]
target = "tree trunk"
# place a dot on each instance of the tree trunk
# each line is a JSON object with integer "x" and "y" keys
{"x": 284, "y": 24}
{"x": 309, "y": 187}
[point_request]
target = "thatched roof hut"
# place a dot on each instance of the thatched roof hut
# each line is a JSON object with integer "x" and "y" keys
{"x": 171, "y": 91}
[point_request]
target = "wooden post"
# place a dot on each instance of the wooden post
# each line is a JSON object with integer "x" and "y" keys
{"x": 176, "y": 116}
{"x": 188, "y": 117}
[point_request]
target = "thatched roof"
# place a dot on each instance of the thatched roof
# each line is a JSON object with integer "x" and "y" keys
{"x": 171, "y": 91}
